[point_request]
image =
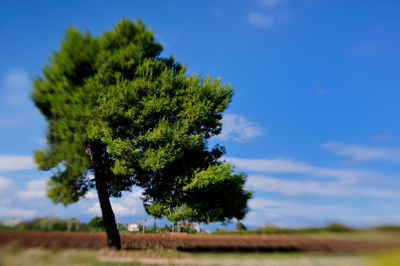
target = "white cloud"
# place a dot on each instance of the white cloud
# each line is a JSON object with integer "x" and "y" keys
{"x": 95, "y": 209}
{"x": 293, "y": 213}
{"x": 6, "y": 186}
{"x": 36, "y": 189}
{"x": 238, "y": 128}
{"x": 130, "y": 205}
{"x": 17, "y": 78}
{"x": 331, "y": 189}
{"x": 15, "y": 163}
{"x": 280, "y": 165}
{"x": 119, "y": 210}
{"x": 260, "y": 203}
{"x": 270, "y": 3}
{"x": 17, "y": 213}
{"x": 373, "y": 221}
{"x": 91, "y": 195}
{"x": 17, "y": 86}
{"x": 133, "y": 197}
{"x": 359, "y": 153}
{"x": 261, "y": 21}
{"x": 132, "y": 201}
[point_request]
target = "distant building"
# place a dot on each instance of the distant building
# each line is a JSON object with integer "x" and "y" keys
{"x": 133, "y": 227}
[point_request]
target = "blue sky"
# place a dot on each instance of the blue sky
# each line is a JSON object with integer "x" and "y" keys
{"x": 314, "y": 121}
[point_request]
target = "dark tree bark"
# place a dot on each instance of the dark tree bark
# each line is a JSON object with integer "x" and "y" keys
{"x": 99, "y": 164}
{"x": 113, "y": 238}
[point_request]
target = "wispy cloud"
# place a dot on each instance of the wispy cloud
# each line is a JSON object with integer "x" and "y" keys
{"x": 118, "y": 209}
{"x": 16, "y": 88}
{"x": 318, "y": 188}
{"x": 16, "y": 213}
{"x": 17, "y": 78}
{"x": 131, "y": 205}
{"x": 36, "y": 189}
{"x": 284, "y": 166}
{"x": 264, "y": 21}
{"x": 133, "y": 201}
{"x": 15, "y": 163}
{"x": 261, "y": 21}
{"x": 91, "y": 195}
{"x": 358, "y": 153}
{"x": 290, "y": 207}
{"x": 238, "y": 128}
{"x": 6, "y": 186}
{"x": 293, "y": 213}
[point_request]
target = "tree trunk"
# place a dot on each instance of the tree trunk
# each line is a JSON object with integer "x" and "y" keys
{"x": 113, "y": 238}
{"x": 99, "y": 164}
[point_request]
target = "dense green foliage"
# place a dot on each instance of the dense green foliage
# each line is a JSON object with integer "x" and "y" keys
{"x": 96, "y": 223}
{"x": 332, "y": 227}
{"x": 240, "y": 226}
{"x": 115, "y": 107}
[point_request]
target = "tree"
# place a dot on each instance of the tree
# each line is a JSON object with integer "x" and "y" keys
{"x": 119, "y": 115}
{"x": 96, "y": 223}
{"x": 240, "y": 226}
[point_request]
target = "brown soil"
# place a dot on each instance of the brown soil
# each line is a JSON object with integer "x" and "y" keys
{"x": 191, "y": 242}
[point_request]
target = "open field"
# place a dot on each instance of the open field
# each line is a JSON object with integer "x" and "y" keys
{"x": 184, "y": 242}
{"x": 13, "y": 255}
{"x": 41, "y": 256}
{"x": 62, "y": 248}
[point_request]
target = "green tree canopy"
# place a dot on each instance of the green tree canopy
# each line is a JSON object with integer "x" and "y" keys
{"x": 96, "y": 223}
{"x": 240, "y": 226}
{"x": 120, "y": 115}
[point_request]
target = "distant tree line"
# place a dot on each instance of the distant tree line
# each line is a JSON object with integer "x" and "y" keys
{"x": 50, "y": 224}
{"x": 94, "y": 225}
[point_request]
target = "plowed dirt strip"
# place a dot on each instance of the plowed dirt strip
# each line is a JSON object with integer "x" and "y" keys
{"x": 191, "y": 242}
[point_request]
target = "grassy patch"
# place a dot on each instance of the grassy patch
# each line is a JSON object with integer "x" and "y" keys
{"x": 76, "y": 257}
{"x": 370, "y": 236}
{"x": 389, "y": 258}
{"x": 40, "y": 256}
